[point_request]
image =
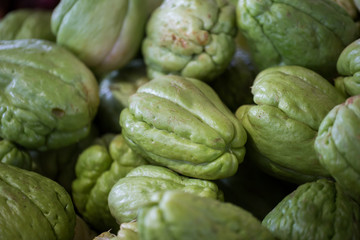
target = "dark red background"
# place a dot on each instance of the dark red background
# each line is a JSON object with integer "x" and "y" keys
{"x": 9, "y": 5}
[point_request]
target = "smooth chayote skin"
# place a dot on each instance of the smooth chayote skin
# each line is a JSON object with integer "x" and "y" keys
{"x": 290, "y": 103}
{"x": 115, "y": 90}
{"x": 33, "y": 206}
{"x": 191, "y": 38}
{"x": 26, "y": 24}
{"x": 105, "y": 35}
{"x": 48, "y": 97}
{"x": 315, "y": 210}
{"x": 133, "y": 191}
{"x": 97, "y": 169}
{"x": 182, "y": 124}
{"x": 15, "y": 156}
{"x": 176, "y": 215}
{"x": 316, "y": 32}
{"x": 348, "y": 66}
{"x": 338, "y": 145}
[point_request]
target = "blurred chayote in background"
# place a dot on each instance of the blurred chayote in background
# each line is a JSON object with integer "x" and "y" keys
{"x": 315, "y": 210}
{"x": 338, "y": 145}
{"x": 348, "y": 66}
{"x": 136, "y": 189}
{"x": 182, "y": 124}
{"x": 14, "y": 155}
{"x": 191, "y": 38}
{"x": 33, "y": 206}
{"x": 290, "y": 103}
{"x": 97, "y": 169}
{"x": 177, "y": 215}
{"x": 48, "y": 97}
{"x": 350, "y": 7}
{"x": 306, "y": 33}
{"x": 26, "y": 24}
{"x": 105, "y": 35}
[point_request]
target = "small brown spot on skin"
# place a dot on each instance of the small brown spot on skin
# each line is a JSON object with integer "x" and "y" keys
{"x": 202, "y": 38}
{"x": 173, "y": 37}
{"x": 183, "y": 43}
{"x": 209, "y": 15}
{"x": 57, "y": 112}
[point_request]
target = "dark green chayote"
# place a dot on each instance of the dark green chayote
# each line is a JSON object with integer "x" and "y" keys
{"x": 191, "y": 38}
{"x": 13, "y": 155}
{"x": 182, "y": 124}
{"x": 33, "y": 206}
{"x": 176, "y": 215}
{"x": 290, "y": 103}
{"x": 338, "y": 145}
{"x": 306, "y": 33}
{"x": 315, "y": 210}
{"x": 48, "y": 98}
{"x": 133, "y": 191}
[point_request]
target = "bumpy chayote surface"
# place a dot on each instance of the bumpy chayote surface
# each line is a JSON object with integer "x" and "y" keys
{"x": 48, "y": 97}
{"x": 182, "y": 124}
{"x": 13, "y": 155}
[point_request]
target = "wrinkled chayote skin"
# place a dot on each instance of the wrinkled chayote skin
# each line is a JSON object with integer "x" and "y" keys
{"x": 48, "y": 98}
{"x": 348, "y": 66}
{"x": 191, "y": 38}
{"x": 315, "y": 210}
{"x": 97, "y": 169}
{"x": 105, "y": 35}
{"x": 115, "y": 90}
{"x": 338, "y": 145}
{"x": 290, "y": 103}
{"x": 33, "y": 206}
{"x": 184, "y": 216}
{"x": 15, "y": 156}
{"x": 182, "y": 124}
{"x": 133, "y": 191}
{"x": 316, "y": 32}
{"x": 26, "y": 24}
{"x": 128, "y": 231}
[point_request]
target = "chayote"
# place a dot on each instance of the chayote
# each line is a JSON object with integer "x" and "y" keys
{"x": 191, "y": 38}
{"x": 25, "y": 24}
{"x": 184, "y": 216}
{"x": 48, "y": 98}
{"x": 315, "y": 210}
{"x": 349, "y": 6}
{"x": 182, "y": 124}
{"x": 348, "y": 66}
{"x": 128, "y": 231}
{"x": 338, "y": 145}
{"x": 133, "y": 191}
{"x": 315, "y": 32}
{"x": 14, "y": 155}
{"x": 105, "y": 35}
{"x": 290, "y": 103}
{"x": 97, "y": 169}
{"x": 82, "y": 230}
{"x": 115, "y": 90}
{"x": 33, "y": 206}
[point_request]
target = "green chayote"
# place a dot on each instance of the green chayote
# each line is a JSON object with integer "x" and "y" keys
{"x": 348, "y": 66}
{"x": 105, "y": 35}
{"x": 176, "y": 215}
{"x": 349, "y": 6}
{"x": 182, "y": 124}
{"x": 48, "y": 98}
{"x": 33, "y": 206}
{"x": 315, "y": 210}
{"x": 133, "y": 191}
{"x": 306, "y": 33}
{"x": 191, "y": 38}
{"x": 97, "y": 169}
{"x": 13, "y": 155}
{"x": 128, "y": 231}
{"x": 25, "y": 24}
{"x": 338, "y": 145}
{"x": 290, "y": 103}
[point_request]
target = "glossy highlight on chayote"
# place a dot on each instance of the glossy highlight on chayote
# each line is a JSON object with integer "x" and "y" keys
{"x": 290, "y": 103}
{"x": 306, "y": 33}
{"x": 315, "y": 210}
{"x": 191, "y": 38}
{"x": 176, "y": 215}
{"x": 48, "y": 97}
{"x": 182, "y": 124}
{"x": 136, "y": 189}
{"x": 33, "y": 206}
{"x": 338, "y": 145}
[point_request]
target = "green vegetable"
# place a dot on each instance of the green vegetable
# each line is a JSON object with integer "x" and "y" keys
{"x": 13, "y": 155}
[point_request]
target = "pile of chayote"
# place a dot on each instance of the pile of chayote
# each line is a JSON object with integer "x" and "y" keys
{"x": 180, "y": 120}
